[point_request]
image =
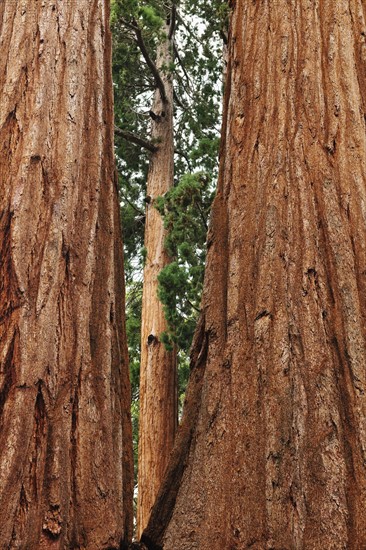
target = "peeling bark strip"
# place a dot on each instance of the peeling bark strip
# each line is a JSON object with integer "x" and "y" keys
{"x": 65, "y": 434}
{"x": 277, "y": 457}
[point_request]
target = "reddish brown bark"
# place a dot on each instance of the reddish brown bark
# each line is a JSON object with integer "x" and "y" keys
{"x": 272, "y": 448}
{"x": 158, "y": 377}
{"x": 65, "y": 439}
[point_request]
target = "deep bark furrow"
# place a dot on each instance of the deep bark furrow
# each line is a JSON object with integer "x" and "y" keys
{"x": 7, "y": 371}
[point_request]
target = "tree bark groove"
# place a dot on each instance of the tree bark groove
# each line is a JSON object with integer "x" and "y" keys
{"x": 277, "y": 456}
{"x": 65, "y": 441}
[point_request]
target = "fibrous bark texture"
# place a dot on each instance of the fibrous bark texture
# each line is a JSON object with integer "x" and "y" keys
{"x": 158, "y": 378}
{"x": 272, "y": 449}
{"x": 65, "y": 439}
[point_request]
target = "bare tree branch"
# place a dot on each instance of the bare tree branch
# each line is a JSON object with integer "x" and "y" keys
{"x": 203, "y": 217}
{"x": 142, "y": 214}
{"x": 150, "y": 63}
{"x": 137, "y": 140}
{"x": 186, "y": 158}
{"x": 224, "y": 37}
{"x": 132, "y": 26}
{"x": 178, "y": 101}
{"x": 173, "y": 19}
{"x": 176, "y": 53}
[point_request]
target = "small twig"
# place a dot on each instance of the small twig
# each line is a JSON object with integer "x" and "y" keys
{"x": 193, "y": 306}
{"x": 188, "y": 29}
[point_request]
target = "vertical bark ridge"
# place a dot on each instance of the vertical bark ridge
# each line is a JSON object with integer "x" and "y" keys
{"x": 67, "y": 411}
{"x": 279, "y": 453}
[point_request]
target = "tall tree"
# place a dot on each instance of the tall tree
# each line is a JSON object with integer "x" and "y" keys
{"x": 271, "y": 452}
{"x": 158, "y": 372}
{"x": 65, "y": 439}
{"x": 142, "y": 139}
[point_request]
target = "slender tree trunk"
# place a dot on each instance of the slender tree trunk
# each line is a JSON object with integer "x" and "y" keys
{"x": 65, "y": 434}
{"x": 158, "y": 378}
{"x": 272, "y": 449}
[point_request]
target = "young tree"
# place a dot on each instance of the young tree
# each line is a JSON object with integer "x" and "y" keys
{"x": 271, "y": 452}
{"x": 65, "y": 439}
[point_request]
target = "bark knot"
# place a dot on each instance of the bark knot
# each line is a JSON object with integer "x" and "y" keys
{"x": 151, "y": 339}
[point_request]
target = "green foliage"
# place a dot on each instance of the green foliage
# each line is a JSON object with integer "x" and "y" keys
{"x": 151, "y": 18}
{"x": 144, "y": 254}
{"x": 185, "y": 210}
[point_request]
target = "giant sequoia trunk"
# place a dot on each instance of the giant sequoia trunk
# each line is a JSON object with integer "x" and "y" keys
{"x": 272, "y": 449}
{"x": 65, "y": 440}
{"x": 158, "y": 378}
